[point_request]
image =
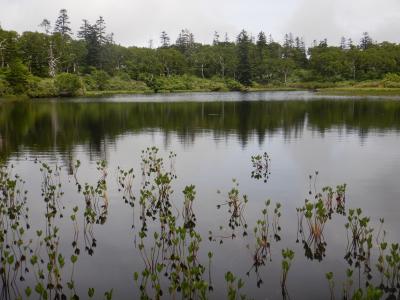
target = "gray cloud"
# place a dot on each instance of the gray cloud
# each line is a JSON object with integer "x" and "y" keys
{"x": 135, "y": 22}
{"x": 332, "y": 19}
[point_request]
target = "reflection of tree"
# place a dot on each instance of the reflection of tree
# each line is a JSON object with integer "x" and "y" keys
{"x": 44, "y": 126}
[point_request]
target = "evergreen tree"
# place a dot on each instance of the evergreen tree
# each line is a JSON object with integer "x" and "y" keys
{"x": 93, "y": 47}
{"x": 164, "y": 39}
{"x": 343, "y": 45}
{"x": 100, "y": 28}
{"x": 226, "y": 40}
{"x": 366, "y": 41}
{"x": 261, "y": 40}
{"x": 216, "y": 38}
{"x": 46, "y": 25}
{"x": 244, "y": 74}
{"x": 84, "y": 30}
{"x": 62, "y": 24}
{"x": 185, "y": 41}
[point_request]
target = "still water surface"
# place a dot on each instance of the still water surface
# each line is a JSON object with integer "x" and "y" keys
{"x": 348, "y": 140}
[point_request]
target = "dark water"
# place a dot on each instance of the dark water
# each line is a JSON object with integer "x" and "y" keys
{"x": 348, "y": 140}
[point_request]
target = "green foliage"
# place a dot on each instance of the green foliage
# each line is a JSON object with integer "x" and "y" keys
{"x": 185, "y": 83}
{"x": 234, "y": 85}
{"x": 41, "y": 88}
{"x": 100, "y": 79}
{"x": 4, "y": 87}
{"x": 244, "y": 68}
{"x": 260, "y": 63}
{"x": 68, "y": 84}
{"x": 17, "y": 77}
{"x": 391, "y": 80}
{"x": 118, "y": 83}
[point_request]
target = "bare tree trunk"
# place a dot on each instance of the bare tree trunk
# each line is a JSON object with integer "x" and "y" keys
{"x": 221, "y": 62}
{"x": 202, "y": 71}
{"x": 52, "y": 61}
{"x": 2, "y": 47}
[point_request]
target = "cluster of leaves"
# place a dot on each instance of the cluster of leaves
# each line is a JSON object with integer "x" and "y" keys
{"x": 261, "y": 166}
{"x": 316, "y": 215}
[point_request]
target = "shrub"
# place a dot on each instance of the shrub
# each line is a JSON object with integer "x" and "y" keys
{"x": 4, "y": 88}
{"x": 17, "y": 77}
{"x": 392, "y": 77}
{"x": 68, "y": 84}
{"x": 391, "y": 80}
{"x": 41, "y": 88}
{"x": 100, "y": 78}
{"x": 234, "y": 85}
{"x": 89, "y": 83}
{"x": 125, "y": 84}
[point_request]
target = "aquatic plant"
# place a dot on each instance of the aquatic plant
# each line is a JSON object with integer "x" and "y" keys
{"x": 316, "y": 214}
{"x": 175, "y": 260}
{"x": 14, "y": 222}
{"x": 261, "y": 165}
{"x": 263, "y": 238}
{"x": 234, "y": 285}
{"x": 360, "y": 238}
{"x": 236, "y": 206}
{"x": 287, "y": 259}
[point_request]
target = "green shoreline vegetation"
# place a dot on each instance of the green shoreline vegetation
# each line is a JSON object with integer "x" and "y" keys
{"x": 55, "y": 62}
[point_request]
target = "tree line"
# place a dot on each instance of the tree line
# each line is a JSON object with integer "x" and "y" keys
{"x": 247, "y": 59}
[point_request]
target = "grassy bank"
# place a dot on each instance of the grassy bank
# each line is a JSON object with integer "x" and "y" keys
{"x": 354, "y": 91}
{"x": 99, "y": 83}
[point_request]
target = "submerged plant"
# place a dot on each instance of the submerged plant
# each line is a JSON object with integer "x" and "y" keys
{"x": 96, "y": 207}
{"x": 316, "y": 215}
{"x": 234, "y": 285}
{"x": 264, "y": 237}
{"x": 359, "y": 236}
{"x": 236, "y": 206}
{"x": 261, "y": 165}
{"x": 14, "y": 246}
{"x": 331, "y": 282}
{"x": 188, "y": 214}
{"x": 287, "y": 259}
{"x": 176, "y": 263}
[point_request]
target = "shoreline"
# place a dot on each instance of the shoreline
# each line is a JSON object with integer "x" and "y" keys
{"x": 339, "y": 91}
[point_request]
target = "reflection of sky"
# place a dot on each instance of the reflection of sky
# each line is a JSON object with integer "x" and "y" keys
{"x": 369, "y": 165}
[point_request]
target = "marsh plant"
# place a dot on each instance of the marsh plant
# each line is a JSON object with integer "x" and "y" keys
{"x": 236, "y": 204}
{"x": 261, "y": 166}
{"x": 173, "y": 254}
{"x": 175, "y": 261}
{"x": 360, "y": 243}
{"x": 14, "y": 222}
{"x": 265, "y": 232}
{"x": 315, "y": 214}
{"x": 287, "y": 259}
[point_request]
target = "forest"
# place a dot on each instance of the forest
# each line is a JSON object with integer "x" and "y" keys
{"x": 54, "y": 61}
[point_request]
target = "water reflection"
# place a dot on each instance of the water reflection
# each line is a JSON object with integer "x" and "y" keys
{"x": 60, "y": 126}
{"x": 215, "y": 141}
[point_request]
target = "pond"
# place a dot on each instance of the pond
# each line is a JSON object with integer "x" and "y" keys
{"x": 335, "y": 140}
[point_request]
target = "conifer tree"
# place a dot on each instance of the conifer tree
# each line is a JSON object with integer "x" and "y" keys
{"x": 244, "y": 75}
{"x": 164, "y": 39}
{"x": 62, "y": 24}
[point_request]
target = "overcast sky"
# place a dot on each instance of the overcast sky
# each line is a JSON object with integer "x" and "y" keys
{"x": 135, "y": 22}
